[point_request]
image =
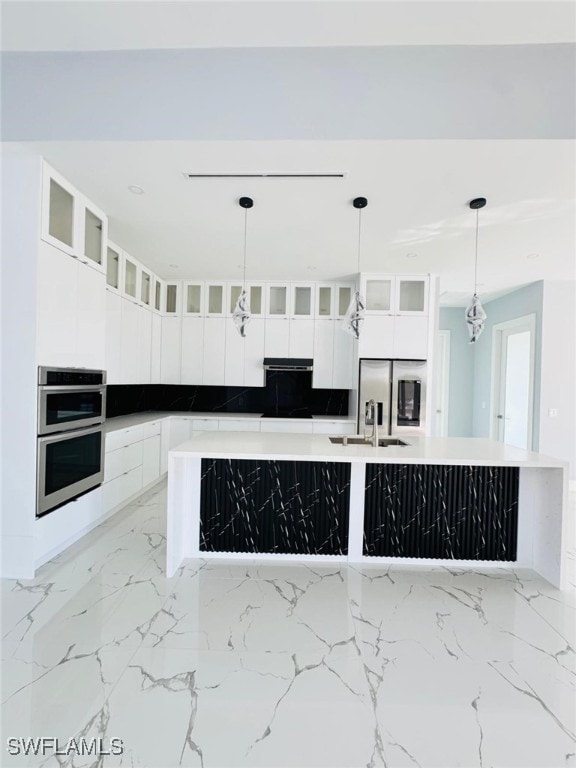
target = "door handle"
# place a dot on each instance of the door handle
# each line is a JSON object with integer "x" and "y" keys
{"x": 499, "y": 416}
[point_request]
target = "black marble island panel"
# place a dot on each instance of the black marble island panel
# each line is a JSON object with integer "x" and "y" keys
{"x": 441, "y": 511}
{"x": 276, "y": 507}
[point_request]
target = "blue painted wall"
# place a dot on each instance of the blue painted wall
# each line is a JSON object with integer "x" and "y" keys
{"x": 524, "y": 301}
{"x": 470, "y": 364}
{"x": 461, "y": 384}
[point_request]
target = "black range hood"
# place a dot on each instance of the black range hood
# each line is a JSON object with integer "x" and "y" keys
{"x": 288, "y": 363}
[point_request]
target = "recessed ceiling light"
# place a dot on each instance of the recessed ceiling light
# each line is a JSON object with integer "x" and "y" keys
{"x": 411, "y": 255}
{"x": 174, "y": 266}
{"x": 311, "y": 268}
{"x": 135, "y": 189}
{"x": 533, "y": 256}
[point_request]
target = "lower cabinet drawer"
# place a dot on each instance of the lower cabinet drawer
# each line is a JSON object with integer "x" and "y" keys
{"x": 119, "y": 462}
{"x": 205, "y": 425}
{"x": 239, "y": 425}
{"x": 123, "y": 437}
{"x": 151, "y": 429}
{"x": 150, "y": 460}
{"x": 121, "y": 488}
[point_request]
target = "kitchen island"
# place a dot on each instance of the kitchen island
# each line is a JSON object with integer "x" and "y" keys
{"x": 302, "y": 497}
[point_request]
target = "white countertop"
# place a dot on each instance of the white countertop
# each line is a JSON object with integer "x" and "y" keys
{"x": 299, "y": 447}
{"x": 135, "y": 419}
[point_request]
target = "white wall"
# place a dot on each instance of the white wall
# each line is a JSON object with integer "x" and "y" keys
{"x": 21, "y": 190}
{"x": 558, "y": 380}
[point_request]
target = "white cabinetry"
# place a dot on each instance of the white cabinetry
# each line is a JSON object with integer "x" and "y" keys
{"x": 129, "y": 363}
{"x": 213, "y": 358}
{"x": 192, "y": 352}
{"x": 155, "y": 349}
{"x": 301, "y": 342}
{"x": 254, "y": 354}
{"x": 132, "y": 463}
{"x": 113, "y": 338}
{"x": 57, "y": 304}
{"x": 235, "y": 355}
{"x": 180, "y": 431}
{"x": 71, "y": 311}
{"x": 323, "y": 354}
{"x": 144, "y": 345}
{"x": 277, "y": 337}
{"x": 411, "y": 338}
{"x": 170, "y": 354}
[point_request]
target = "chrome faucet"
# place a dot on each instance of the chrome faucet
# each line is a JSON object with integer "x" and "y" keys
{"x": 371, "y": 417}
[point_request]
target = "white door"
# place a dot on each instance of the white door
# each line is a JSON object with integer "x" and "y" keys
{"x": 442, "y": 383}
{"x": 513, "y": 385}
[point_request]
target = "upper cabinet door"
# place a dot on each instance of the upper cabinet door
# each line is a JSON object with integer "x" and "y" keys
{"x": 378, "y": 292}
{"x": 344, "y": 294}
{"x": 172, "y": 298}
{"x": 412, "y": 295}
{"x": 94, "y": 234}
{"x": 325, "y": 295}
{"x": 214, "y": 303}
{"x": 157, "y": 296}
{"x": 276, "y": 300}
{"x": 113, "y": 266}
{"x": 59, "y": 212}
{"x": 193, "y": 299}
{"x": 130, "y": 282}
{"x": 145, "y": 288}
{"x": 302, "y": 301}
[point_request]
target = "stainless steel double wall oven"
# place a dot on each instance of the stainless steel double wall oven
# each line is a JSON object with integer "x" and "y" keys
{"x": 71, "y": 415}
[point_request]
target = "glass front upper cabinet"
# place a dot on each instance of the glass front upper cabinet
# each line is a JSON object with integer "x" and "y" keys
{"x": 302, "y": 301}
{"x": 255, "y": 298}
{"x": 277, "y": 301}
{"x": 379, "y": 295}
{"x": 344, "y": 298}
{"x": 130, "y": 277}
{"x": 171, "y": 298}
{"x": 157, "y": 295}
{"x": 93, "y": 236}
{"x": 193, "y": 299}
{"x": 215, "y": 299}
{"x": 112, "y": 268}
{"x": 145, "y": 288}
{"x": 324, "y": 299}
{"x": 412, "y": 295}
{"x": 60, "y": 214}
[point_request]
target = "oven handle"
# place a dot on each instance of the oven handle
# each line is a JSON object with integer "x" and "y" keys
{"x": 71, "y": 433}
{"x": 73, "y": 388}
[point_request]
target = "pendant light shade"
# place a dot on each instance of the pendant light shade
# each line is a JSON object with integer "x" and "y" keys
{"x": 355, "y": 313}
{"x": 475, "y": 314}
{"x": 241, "y": 315}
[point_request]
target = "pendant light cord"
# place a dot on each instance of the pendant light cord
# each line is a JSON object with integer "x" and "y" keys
{"x": 359, "y": 234}
{"x": 476, "y": 257}
{"x": 245, "y": 230}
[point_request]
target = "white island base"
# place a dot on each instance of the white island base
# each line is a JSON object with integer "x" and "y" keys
{"x": 278, "y": 497}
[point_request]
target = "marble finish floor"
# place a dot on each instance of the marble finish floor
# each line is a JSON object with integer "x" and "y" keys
{"x": 229, "y": 665}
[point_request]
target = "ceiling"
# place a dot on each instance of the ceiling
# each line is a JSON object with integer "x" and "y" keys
{"x": 417, "y": 219}
{"x": 93, "y": 26}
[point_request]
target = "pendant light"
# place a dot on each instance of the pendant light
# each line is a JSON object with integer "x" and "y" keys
{"x": 241, "y": 315}
{"x": 355, "y": 313}
{"x": 475, "y": 314}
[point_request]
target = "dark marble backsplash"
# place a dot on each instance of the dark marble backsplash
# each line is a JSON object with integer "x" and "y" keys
{"x": 282, "y": 397}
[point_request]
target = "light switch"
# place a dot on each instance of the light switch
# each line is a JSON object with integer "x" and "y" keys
{"x": 553, "y": 413}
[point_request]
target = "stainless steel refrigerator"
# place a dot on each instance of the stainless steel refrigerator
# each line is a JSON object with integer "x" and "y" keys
{"x": 399, "y": 389}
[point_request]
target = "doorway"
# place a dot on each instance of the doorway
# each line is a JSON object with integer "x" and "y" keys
{"x": 512, "y": 405}
{"x": 442, "y": 384}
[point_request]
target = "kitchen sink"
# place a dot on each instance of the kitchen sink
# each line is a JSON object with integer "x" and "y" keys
{"x": 351, "y": 440}
{"x": 383, "y": 442}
